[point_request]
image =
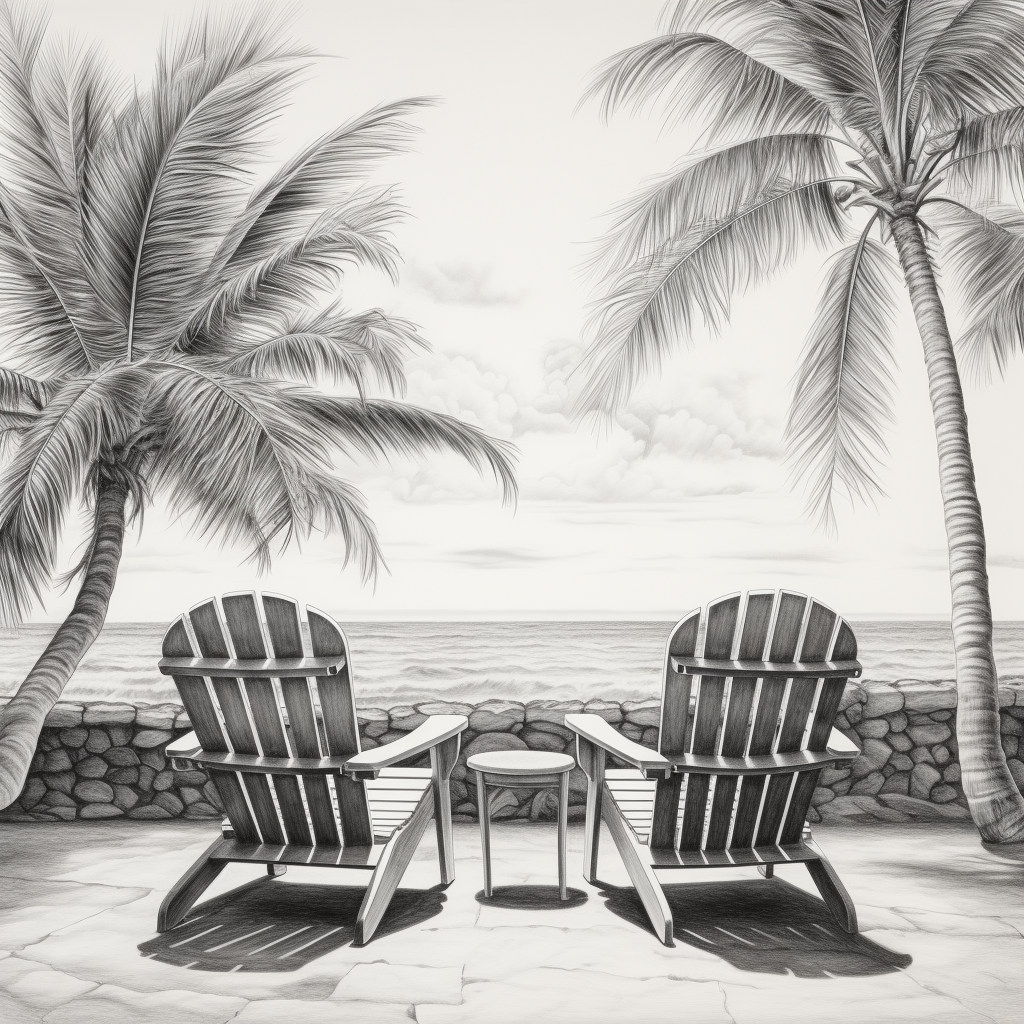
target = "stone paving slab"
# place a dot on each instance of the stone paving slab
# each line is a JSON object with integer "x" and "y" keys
{"x": 942, "y": 935}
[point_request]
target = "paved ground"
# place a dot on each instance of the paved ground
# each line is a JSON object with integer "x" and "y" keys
{"x": 942, "y": 936}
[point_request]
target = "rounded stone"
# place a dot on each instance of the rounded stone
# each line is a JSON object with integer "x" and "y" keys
{"x": 873, "y": 728}
{"x": 537, "y": 739}
{"x": 156, "y": 716}
{"x": 444, "y": 707}
{"x": 210, "y": 792}
{"x": 488, "y": 741}
{"x": 854, "y": 713}
{"x": 145, "y": 739}
{"x": 100, "y": 811}
{"x": 942, "y": 715}
{"x": 1009, "y": 744}
{"x": 927, "y": 735}
{"x": 64, "y": 716}
{"x": 869, "y": 785}
{"x": 61, "y": 782}
{"x": 154, "y": 758}
{"x": 902, "y": 763}
{"x": 644, "y": 713}
{"x": 830, "y": 776}
{"x": 540, "y": 725}
{"x": 650, "y": 738}
{"x": 97, "y": 741}
{"x": 191, "y": 778}
{"x": 146, "y": 777}
{"x": 201, "y": 809}
{"x": 189, "y": 795}
{"x": 372, "y": 721}
{"x": 900, "y": 741}
{"x": 882, "y": 700}
{"x": 74, "y": 738}
{"x": 941, "y": 754}
{"x": 497, "y": 716}
{"x": 163, "y": 781}
{"x": 1010, "y": 726}
{"x": 897, "y": 721}
{"x": 898, "y": 782}
{"x": 91, "y": 768}
{"x": 120, "y": 735}
{"x": 406, "y": 718}
{"x": 922, "y": 779}
{"x": 125, "y": 797}
{"x": 56, "y": 799}
{"x": 104, "y": 713}
{"x": 943, "y": 794}
{"x": 553, "y": 711}
{"x": 1017, "y": 771}
{"x": 606, "y": 709}
{"x": 149, "y": 812}
{"x": 92, "y": 791}
{"x": 121, "y": 757}
{"x": 920, "y": 755}
{"x": 872, "y": 757}
{"x": 125, "y": 776}
{"x": 951, "y": 773}
{"x": 631, "y": 731}
{"x": 169, "y": 802}
{"x": 821, "y": 796}
{"x": 34, "y": 791}
{"x": 57, "y": 761}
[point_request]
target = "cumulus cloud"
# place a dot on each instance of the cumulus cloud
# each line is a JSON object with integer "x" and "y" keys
{"x": 707, "y": 435}
{"x": 464, "y": 284}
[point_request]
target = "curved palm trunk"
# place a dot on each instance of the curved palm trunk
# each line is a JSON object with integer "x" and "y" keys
{"x": 996, "y": 804}
{"x": 22, "y": 719}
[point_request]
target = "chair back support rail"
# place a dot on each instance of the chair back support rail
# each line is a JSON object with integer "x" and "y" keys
{"x": 275, "y": 734}
{"x": 752, "y": 688}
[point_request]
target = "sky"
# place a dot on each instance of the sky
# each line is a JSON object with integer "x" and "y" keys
{"x": 686, "y": 494}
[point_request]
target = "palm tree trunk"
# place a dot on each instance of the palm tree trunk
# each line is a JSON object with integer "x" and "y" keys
{"x": 996, "y": 805}
{"x": 22, "y": 719}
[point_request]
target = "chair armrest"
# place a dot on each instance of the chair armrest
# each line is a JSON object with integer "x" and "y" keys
{"x": 841, "y": 747}
{"x": 181, "y": 750}
{"x": 688, "y": 666}
{"x": 252, "y": 668}
{"x": 597, "y": 731}
{"x": 436, "y": 729}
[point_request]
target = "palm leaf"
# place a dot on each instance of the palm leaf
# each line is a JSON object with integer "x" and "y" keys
{"x": 984, "y": 255}
{"x": 842, "y": 400}
{"x": 54, "y": 455}
{"x": 331, "y": 344}
{"x": 18, "y": 388}
{"x": 700, "y": 76}
{"x": 988, "y": 158}
{"x": 314, "y": 181}
{"x": 974, "y": 66}
{"x": 296, "y": 274}
{"x": 654, "y": 302}
{"x": 709, "y": 188}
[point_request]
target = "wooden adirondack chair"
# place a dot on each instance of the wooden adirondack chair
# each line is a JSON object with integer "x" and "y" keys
{"x": 276, "y": 730}
{"x": 746, "y": 729}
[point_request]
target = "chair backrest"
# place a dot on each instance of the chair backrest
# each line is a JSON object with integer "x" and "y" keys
{"x": 273, "y": 718}
{"x": 742, "y": 717}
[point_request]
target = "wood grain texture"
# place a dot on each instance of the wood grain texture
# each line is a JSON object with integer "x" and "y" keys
{"x": 591, "y": 759}
{"x": 184, "y": 893}
{"x": 443, "y": 758}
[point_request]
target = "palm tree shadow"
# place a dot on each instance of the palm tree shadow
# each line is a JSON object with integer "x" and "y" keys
{"x": 280, "y": 926}
{"x": 762, "y": 926}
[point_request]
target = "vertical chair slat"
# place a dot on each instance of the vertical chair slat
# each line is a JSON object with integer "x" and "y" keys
{"x": 722, "y": 618}
{"x": 341, "y": 728}
{"x": 194, "y": 695}
{"x": 230, "y": 791}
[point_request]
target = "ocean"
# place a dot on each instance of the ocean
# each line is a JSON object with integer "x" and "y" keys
{"x": 409, "y": 662}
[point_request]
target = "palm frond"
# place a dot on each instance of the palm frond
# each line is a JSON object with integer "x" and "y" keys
{"x": 973, "y": 66}
{"x": 655, "y": 301}
{"x": 842, "y": 399}
{"x": 702, "y": 77}
{"x": 297, "y": 272}
{"x": 53, "y": 457}
{"x": 314, "y": 181}
{"x": 987, "y": 161}
{"x": 984, "y": 254}
{"x": 337, "y": 346}
{"x": 19, "y": 388}
{"x": 708, "y": 188}
{"x": 38, "y": 321}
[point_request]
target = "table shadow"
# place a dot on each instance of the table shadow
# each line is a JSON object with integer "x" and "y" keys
{"x": 531, "y": 897}
{"x": 280, "y": 926}
{"x": 762, "y": 926}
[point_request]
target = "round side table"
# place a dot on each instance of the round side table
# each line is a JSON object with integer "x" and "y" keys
{"x": 522, "y": 769}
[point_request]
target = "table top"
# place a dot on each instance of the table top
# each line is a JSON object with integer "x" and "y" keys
{"x": 520, "y": 762}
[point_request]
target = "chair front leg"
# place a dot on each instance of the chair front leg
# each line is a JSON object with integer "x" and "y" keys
{"x": 442, "y": 760}
{"x": 591, "y": 759}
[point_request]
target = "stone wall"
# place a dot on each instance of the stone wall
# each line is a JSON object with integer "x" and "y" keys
{"x": 103, "y": 760}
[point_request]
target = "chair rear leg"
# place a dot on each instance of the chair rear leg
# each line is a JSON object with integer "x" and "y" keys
{"x": 390, "y": 868}
{"x": 636, "y": 859}
{"x": 184, "y": 893}
{"x": 442, "y": 761}
{"x": 591, "y": 759}
{"x": 833, "y": 892}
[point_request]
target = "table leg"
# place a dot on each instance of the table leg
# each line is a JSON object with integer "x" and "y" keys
{"x": 483, "y": 809}
{"x": 563, "y": 829}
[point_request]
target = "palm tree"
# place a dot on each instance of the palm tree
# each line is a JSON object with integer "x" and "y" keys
{"x": 847, "y": 125}
{"x": 169, "y": 318}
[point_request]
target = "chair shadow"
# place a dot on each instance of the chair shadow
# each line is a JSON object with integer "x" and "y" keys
{"x": 531, "y": 897}
{"x": 762, "y": 926}
{"x": 280, "y": 926}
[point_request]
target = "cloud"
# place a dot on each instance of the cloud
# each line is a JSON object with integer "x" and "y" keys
{"x": 693, "y": 437}
{"x": 462, "y": 284}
